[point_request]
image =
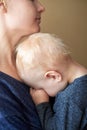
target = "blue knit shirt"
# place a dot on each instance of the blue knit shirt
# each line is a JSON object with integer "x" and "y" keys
{"x": 70, "y": 108}
{"x": 17, "y": 111}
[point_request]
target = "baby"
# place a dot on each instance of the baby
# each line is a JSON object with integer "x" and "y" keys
{"x": 43, "y": 62}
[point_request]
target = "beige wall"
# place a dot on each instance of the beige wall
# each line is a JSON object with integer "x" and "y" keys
{"x": 68, "y": 19}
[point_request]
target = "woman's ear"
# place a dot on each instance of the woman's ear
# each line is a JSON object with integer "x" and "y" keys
{"x": 53, "y": 75}
{"x": 3, "y": 6}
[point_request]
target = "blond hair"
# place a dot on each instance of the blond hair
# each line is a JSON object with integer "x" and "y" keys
{"x": 40, "y": 50}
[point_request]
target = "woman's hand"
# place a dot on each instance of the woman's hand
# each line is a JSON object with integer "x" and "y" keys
{"x": 39, "y": 96}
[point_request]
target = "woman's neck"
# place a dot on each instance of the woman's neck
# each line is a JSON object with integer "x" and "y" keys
{"x": 7, "y": 61}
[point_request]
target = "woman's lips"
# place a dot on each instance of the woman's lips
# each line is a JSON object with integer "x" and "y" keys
{"x": 38, "y": 19}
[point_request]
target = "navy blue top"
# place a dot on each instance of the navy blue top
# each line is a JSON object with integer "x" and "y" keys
{"x": 70, "y": 108}
{"x": 17, "y": 111}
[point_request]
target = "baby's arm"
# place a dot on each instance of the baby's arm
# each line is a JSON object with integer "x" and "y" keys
{"x": 39, "y": 96}
{"x": 41, "y": 100}
{"x": 69, "y": 112}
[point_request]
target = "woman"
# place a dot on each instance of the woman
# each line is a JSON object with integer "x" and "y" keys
{"x": 18, "y": 18}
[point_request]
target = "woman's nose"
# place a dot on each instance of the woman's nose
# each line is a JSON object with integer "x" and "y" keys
{"x": 41, "y": 8}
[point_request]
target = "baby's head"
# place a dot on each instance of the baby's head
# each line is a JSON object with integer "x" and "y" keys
{"x": 41, "y": 60}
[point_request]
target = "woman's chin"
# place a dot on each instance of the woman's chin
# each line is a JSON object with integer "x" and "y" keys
{"x": 36, "y": 30}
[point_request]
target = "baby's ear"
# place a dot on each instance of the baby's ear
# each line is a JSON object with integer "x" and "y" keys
{"x": 54, "y": 75}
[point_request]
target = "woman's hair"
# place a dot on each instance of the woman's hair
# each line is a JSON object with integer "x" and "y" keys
{"x": 41, "y": 50}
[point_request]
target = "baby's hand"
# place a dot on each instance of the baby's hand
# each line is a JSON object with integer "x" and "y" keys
{"x": 39, "y": 96}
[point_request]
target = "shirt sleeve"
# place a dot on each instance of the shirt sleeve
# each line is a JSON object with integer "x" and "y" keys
{"x": 46, "y": 114}
{"x": 67, "y": 116}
